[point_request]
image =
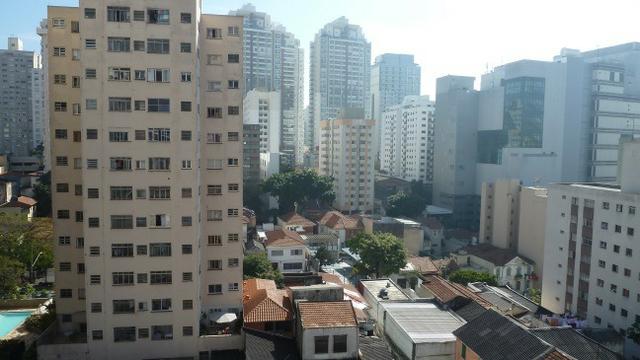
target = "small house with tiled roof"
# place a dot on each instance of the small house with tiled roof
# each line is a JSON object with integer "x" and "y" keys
{"x": 286, "y": 250}
{"x": 343, "y": 226}
{"x": 327, "y": 330}
{"x": 296, "y": 222}
{"x": 22, "y": 205}
{"x": 265, "y": 307}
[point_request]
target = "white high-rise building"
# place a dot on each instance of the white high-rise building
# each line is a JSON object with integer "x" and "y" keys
{"x": 274, "y": 61}
{"x": 263, "y": 108}
{"x": 407, "y": 139}
{"x": 346, "y": 155}
{"x": 340, "y": 68}
{"x": 591, "y": 266}
{"x": 393, "y": 77}
{"x": 147, "y": 179}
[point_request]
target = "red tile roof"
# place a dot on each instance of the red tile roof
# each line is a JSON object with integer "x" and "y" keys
{"x": 283, "y": 238}
{"x": 557, "y": 355}
{"x": 326, "y": 314}
{"x": 423, "y": 264}
{"x": 337, "y": 220}
{"x": 445, "y": 291}
{"x": 24, "y": 202}
{"x": 262, "y": 302}
{"x": 294, "y": 218}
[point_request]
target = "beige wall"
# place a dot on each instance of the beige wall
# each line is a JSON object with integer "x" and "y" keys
{"x": 499, "y": 213}
{"x": 531, "y": 232}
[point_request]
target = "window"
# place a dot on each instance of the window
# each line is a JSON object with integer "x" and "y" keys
{"x": 140, "y": 105}
{"x": 158, "y": 16}
{"x": 232, "y": 162}
{"x": 296, "y": 252}
{"x": 215, "y": 289}
{"x": 63, "y": 214}
{"x": 212, "y": 112}
{"x": 232, "y": 212}
{"x": 138, "y": 15}
{"x": 214, "y": 189}
{"x": 119, "y": 104}
{"x": 186, "y": 193}
{"x": 75, "y": 54}
{"x": 158, "y": 105}
{"x": 233, "y": 286}
{"x": 64, "y": 240}
{"x": 90, "y": 73}
{"x": 625, "y": 293}
{"x": 321, "y": 344}
{"x": 93, "y": 193}
{"x": 162, "y": 332}
{"x": 118, "y": 14}
{"x": 119, "y": 44}
{"x": 59, "y": 79}
{"x": 185, "y": 135}
{"x": 96, "y": 334}
{"x": 158, "y": 75}
{"x": 234, "y": 84}
{"x": 118, "y": 136}
{"x": 57, "y": 23}
{"x": 277, "y": 252}
{"x": 339, "y": 343}
{"x": 141, "y": 250}
{"x": 157, "y": 46}
{"x": 143, "y": 333}
{"x": 186, "y": 221}
{"x": 233, "y": 187}
{"x": 90, "y": 13}
{"x": 215, "y": 265}
{"x": 76, "y": 109}
{"x": 92, "y": 134}
{"x": 185, "y": 18}
{"x": 602, "y": 263}
{"x": 616, "y": 249}
{"x": 186, "y": 164}
{"x": 141, "y": 165}
{"x": 233, "y": 31}
{"x": 187, "y": 249}
{"x": 124, "y": 306}
{"x": 61, "y": 133}
{"x": 233, "y": 262}
{"x": 79, "y": 216}
{"x": 233, "y": 237}
{"x": 142, "y": 279}
{"x": 214, "y": 86}
{"x": 160, "y": 249}
{"x": 94, "y": 222}
{"x": 122, "y": 334}
{"x": 160, "y": 277}
{"x": 96, "y": 307}
{"x": 604, "y": 225}
{"x": 628, "y": 252}
{"x": 93, "y": 250}
{"x": 214, "y": 138}
{"x": 187, "y": 276}
{"x": 185, "y": 76}
{"x": 614, "y": 268}
{"x": 60, "y": 106}
{"x": 630, "y": 231}
{"x": 122, "y": 278}
{"x": 185, "y": 106}
{"x": 121, "y": 250}
{"x": 64, "y": 266}
{"x": 214, "y": 59}
{"x": 613, "y": 288}
{"x": 632, "y": 210}
{"x": 214, "y": 33}
{"x": 233, "y": 136}
{"x": 119, "y": 74}
{"x": 185, "y": 47}
{"x": 139, "y": 75}
{"x": 90, "y": 44}
{"x": 214, "y": 240}
{"x": 159, "y": 134}
{"x": 138, "y": 45}
{"x": 187, "y": 331}
{"x": 61, "y": 161}
{"x": 75, "y": 81}
{"x": 619, "y": 207}
{"x": 233, "y": 58}
{"x": 292, "y": 266}
{"x": 627, "y": 272}
{"x": 159, "y": 163}
{"x": 161, "y": 305}
{"x": 214, "y": 215}
{"x": 66, "y": 293}
{"x": 120, "y": 163}
{"x": 214, "y": 164}
{"x": 59, "y": 51}
{"x": 121, "y": 222}
{"x": 618, "y": 229}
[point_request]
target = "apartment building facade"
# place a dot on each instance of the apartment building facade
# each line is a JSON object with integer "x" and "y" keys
{"x": 346, "y": 155}
{"x": 21, "y": 97}
{"x": 340, "y": 68}
{"x": 406, "y": 150}
{"x": 393, "y": 78}
{"x": 146, "y": 176}
{"x": 590, "y": 269}
{"x": 274, "y": 61}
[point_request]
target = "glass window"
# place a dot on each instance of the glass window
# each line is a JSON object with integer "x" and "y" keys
{"x": 117, "y": 14}
{"x": 119, "y": 44}
{"x": 339, "y": 343}
{"x": 321, "y": 344}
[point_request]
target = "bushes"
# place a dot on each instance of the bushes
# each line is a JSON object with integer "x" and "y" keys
{"x": 39, "y": 323}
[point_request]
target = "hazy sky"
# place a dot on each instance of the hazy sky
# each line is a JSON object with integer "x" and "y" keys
{"x": 461, "y": 37}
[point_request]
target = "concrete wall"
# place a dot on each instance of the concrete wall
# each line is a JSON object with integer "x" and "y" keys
{"x": 308, "y": 344}
{"x": 532, "y": 225}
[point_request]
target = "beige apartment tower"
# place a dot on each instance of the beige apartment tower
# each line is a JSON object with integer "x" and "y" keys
{"x": 346, "y": 154}
{"x": 146, "y": 156}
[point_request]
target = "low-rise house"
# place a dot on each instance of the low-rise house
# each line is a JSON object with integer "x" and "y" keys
{"x": 510, "y": 269}
{"x": 21, "y": 205}
{"x": 450, "y": 295}
{"x": 434, "y": 236}
{"x": 375, "y": 291}
{"x": 330, "y": 241}
{"x": 296, "y": 222}
{"x": 410, "y": 277}
{"x": 343, "y": 226}
{"x": 286, "y": 250}
{"x": 265, "y": 307}
{"x": 408, "y": 231}
{"x": 420, "y": 330}
{"x": 327, "y": 330}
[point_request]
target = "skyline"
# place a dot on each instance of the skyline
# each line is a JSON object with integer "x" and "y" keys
{"x": 486, "y": 41}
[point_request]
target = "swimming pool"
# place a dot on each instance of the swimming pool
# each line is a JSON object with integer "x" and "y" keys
{"x": 10, "y": 320}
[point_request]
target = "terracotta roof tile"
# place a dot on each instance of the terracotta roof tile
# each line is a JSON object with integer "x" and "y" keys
{"x": 283, "y": 238}
{"x": 326, "y": 314}
{"x": 337, "y": 220}
{"x": 423, "y": 264}
{"x": 445, "y": 291}
{"x": 262, "y": 302}
{"x": 293, "y": 218}
{"x": 24, "y": 202}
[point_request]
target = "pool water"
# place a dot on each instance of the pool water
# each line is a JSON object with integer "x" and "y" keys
{"x": 10, "y": 320}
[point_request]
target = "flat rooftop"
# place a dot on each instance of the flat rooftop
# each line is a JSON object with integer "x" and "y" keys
{"x": 424, "y": 322}
{"x": 393, "y": 291}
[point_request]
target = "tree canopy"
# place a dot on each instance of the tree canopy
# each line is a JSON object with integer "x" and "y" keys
{"x": 633, "y": 332}
{"x": 465, "y": 276}
{"x": 10, "y": 277}
{"x": 403, "y": 204}
{"x": 299, "y": 186}
{"x": 381, "y": 254}
{"x": 324, "y": 256}
{"x": 258, "y": 266}
{"x": 42, "y": 194}
{"x": 22, "y": 241}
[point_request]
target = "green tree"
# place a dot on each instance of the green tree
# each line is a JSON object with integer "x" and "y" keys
{"x": 258, "y": 266}
{"x": 633, "y": 332}
{"x": 403, "y": 204}
{"x": 10, "y": 277}
{"x": 299, "y": 186}
{"x": 25, "y": 241}
{"x": 42, "y": 194}
{"x": 535, "y": 295}
{"x": 465, "y": 276}
{"x": 381, "y": 254}
{"x": 324, "y": 256}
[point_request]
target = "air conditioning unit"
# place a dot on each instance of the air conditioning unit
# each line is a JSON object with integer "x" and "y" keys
{"x": 142, "y": 306}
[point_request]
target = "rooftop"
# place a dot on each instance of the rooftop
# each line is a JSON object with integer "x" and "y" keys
{"x": 283, "y": 238}
{"x": 574, "y": 343}
{"x": 421, "y": 264}
{"x": 495, "y": 337}
{"x": 446, "y": 291}
{"x": 423, "y": 322}
{"x": 264, "y": 346}
{"x": 374, "y": 348}
{"x": 294, "y": 218}
{"x": 492, "y": 254}
{"x": 337, "y": 220}
{"x": 393, "y": 292}
{"x": 24, "y": 202}
{"x": 326, "y": 314}
{"x": 262, "y": 302}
